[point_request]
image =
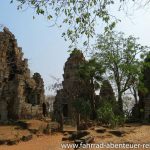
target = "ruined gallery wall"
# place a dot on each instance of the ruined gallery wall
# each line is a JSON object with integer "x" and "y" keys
{"x": 21, "y": 96}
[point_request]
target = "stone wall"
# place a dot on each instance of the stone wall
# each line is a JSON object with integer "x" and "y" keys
{"x": 21, "y": 96}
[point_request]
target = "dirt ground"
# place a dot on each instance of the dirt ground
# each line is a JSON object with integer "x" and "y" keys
{"x": 15, "y": 132}
{"x": 132, "y": 134}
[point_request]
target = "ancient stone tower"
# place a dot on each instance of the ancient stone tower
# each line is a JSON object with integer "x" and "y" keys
{"x": 74, "y": 87}
{"x": 21, "y": 96}
{"x": 106, "y": 92}
{"x": 107, "y": 96}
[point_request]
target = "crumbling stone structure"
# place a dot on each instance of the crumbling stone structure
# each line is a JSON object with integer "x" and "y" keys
{"x": 21, "y": 96}
{"x": 74, "y": 87}
{"x": 106, "y": 92}
{"x": 107, "y": 96}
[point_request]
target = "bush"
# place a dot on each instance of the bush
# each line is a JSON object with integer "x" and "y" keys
{"x": 107, "y": 116}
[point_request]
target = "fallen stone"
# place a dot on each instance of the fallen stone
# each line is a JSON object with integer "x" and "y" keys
{"x": 83, "y": 126}
{"x": 87, "y": 139}
{"x": 26, "y": 138}
{"x": 117, "y": 133}
{"x": 12, "y": 142}
{"x": 79, "y": 134}
{"x": 3, "y": 142}
{"x": 34, "y": 131}
{"x": 66, "y": 138}
{"x": 65, "y": 133}
{"x": 100, "y": 130}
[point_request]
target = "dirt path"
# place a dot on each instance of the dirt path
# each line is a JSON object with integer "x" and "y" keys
{"x": 135, "y": 134}
{"x": 37, "y": 143}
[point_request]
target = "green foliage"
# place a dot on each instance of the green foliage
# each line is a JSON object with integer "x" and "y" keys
{"x": 75, "y": 52}
{"x": 119, "y": 55}
{"x": 80, "y": 16}
{"x": 92, "y": 71}
{"x": 144, "y": 84}
{"x": 82, "y": 106}
{"x": 106, "y": 115}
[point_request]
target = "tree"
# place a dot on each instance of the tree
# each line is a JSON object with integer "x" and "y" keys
{"x": 81, "y": 16}
{"x": 91, "y": 72}
{"x": 119, "y": 55}
{"x": 83, "y": 109}
{"x": 56, "y": 85}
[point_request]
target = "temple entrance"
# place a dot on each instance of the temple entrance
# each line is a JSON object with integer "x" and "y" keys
{"x": 65, "y": 110}
{"x": 44, "y": 109}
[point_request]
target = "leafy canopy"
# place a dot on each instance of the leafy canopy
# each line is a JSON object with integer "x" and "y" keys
{"x": 92, "y": 71}
{"x": 120, "y": 57}
{"x": 80, "y": 15}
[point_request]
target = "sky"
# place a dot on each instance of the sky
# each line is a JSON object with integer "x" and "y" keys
{"x": 44, "y": 46}
{"x": 41, "y": 44}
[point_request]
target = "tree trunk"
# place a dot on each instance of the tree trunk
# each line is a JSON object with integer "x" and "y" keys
{"x": 61, "y": 122}
{"x": 93, "y": 101}
{"x": 135, "y": 95}
{"x": 120, "y": 102}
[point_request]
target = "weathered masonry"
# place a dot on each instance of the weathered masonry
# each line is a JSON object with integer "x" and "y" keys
{"x": 74, "y": 87}
{"x": 21, "y": 96}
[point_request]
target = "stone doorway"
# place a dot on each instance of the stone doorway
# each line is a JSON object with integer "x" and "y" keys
{"x": 65, "y": 110}
{"x": 44, "y": 109}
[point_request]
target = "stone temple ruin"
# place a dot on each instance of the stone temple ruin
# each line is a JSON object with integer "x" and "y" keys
{"x": 73, "y": 87}
{"x": 21, "y": 96}
{"x": 106, "y": 92}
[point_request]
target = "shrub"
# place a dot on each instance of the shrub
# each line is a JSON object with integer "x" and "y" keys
{"x": 107, "y": 116}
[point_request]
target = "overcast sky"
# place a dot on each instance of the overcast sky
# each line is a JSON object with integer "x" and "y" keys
{"x": 44, "y": 46}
